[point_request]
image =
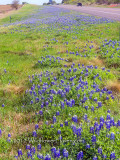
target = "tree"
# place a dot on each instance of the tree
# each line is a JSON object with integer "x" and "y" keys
{"x": 53, "y": 2}
{"x": 15, "y": 4}
{"x": 24, "y": 3}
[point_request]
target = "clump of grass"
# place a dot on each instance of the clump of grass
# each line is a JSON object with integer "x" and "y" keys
{"x": 49, "y": 61}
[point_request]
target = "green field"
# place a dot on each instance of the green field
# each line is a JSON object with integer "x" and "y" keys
{"x": 52, "y": 58}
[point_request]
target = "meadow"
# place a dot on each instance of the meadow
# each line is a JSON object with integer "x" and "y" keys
{"x": 59, "y": 85}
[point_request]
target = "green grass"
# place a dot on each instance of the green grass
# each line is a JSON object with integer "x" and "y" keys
{"x": 20, "y": 52}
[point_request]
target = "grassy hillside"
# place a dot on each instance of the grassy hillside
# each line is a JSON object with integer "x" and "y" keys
{"x": 59, "y": 85}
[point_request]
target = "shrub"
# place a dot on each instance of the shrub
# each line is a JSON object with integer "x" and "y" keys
{"x": 15, "y": 4}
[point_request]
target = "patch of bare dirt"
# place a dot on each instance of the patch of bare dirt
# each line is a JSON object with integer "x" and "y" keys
{"x": 15, "y": 89}
{"x": 85, "y": 61}
{"x": 114, "y": 86}
{"x": 6, "y": 10}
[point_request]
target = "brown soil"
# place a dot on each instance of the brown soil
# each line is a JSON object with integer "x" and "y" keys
{"x": 6, "y": 10}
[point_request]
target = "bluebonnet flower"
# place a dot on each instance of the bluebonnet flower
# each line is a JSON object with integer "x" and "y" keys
{"x": 3, "y": 105}
{"x": 92, "y": 108}
{"x": 47, "y": 157}
{"x": 46, "y": 122}
{"x": 74, "y": 129}
{"x": 79, "y": 130}
{"x": 53, "y": 150}
{"x": 105, "y": 89}
{"x": 28, "y": 146}
{"x": 112, "y": 136}
{"x": 61, "y": 125}
{"x": 95, "y": 99}
{"x": 41, "y": 112}
{"x": 112, "y": 122}
{"x": 93, "y": 139}
{"x": 85, "y": 117}
{"x": 104, "y": 156}
{"x": 86, "y": 107}
{"x": 16, "y": 157}
{"x": 74, "y": 118}
{"x": 96, "y": 67}
{"x": 107, "y": 98}
{"x": 87, "y": 146}
{"x": 8, "y": 139}
{"x": 65, "y": 154}
{"x": 34, "y": 134}
{"x": 57, "y": 153}
{"x": 112, "y": 96}
{"x": 39, "y": 147}
{"x": 20, "y": 153}
{"x": 108, "y": 125}
{"x": 9, "y": 135}
{"x": 80, "y": 155}
{"x": 100, "y": 150}
{"x": 32, "y": 150}
{"x": 62, "y": 105}
{"x": 92, "y": 129}
{"x": 29, "y": 155}
{"x": 95, "y": 158}
{"x": 108, "y": 117}
{"x": 109, "y": 92}
{"x": 57, "y": 113}
{"x": 118, "y": 123}
{"x": 54, "y": 119}
{"x": 101, "y": 125}
{"x": 102, "y": 119}
{"x": 59, "y": 131}
{"x": 112, "y": 156}
{"x": 36, "y": 126}
{"x": 39, "y": 156}
{"x": 66, "y": 123}
{"x": 31, "y": 101}
{"x": 5, "y": 71}
{"x": 46, "y": 103}
{"x": 99, "y": 104}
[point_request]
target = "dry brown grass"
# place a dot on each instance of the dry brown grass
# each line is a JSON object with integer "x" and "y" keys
{"x": 60, "y": 48}
{"x": 15, "y": 125}
{"x": 96, "y": 61}
{"x": 14, "y": 89}
{"x": 114, "y": 86}
{"x": 82, "y": 44}
{"x": 85, "y": 61}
